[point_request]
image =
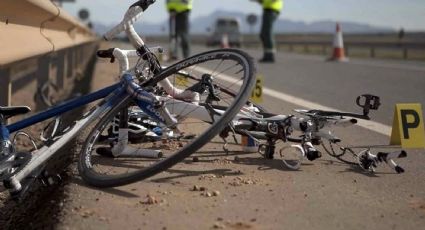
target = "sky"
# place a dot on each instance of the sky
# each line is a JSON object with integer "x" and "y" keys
{"x": 407, "y": 14}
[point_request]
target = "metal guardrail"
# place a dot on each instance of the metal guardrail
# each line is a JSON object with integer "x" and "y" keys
{"x": 322, "y": 43}
{"x": 352, "y": 42}
{"x": 40, "y": 42}
{"x": 404, "y": 48}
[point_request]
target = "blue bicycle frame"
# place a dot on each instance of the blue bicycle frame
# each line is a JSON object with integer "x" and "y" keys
{"x": 113, "y": 96}
{"x": 117, "y": 92}
{"x": 67, "y": 106}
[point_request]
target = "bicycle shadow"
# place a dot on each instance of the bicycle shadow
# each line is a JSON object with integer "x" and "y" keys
{"x": 354, "y": 168}
{"x": 113, "y": 191}
{"x": 181, "y": 173}
{"x": 212, "y": 156}
{"x": 270, "y": 164}
{"x": 192, "y": 173}
{"x": 262, "y": 163}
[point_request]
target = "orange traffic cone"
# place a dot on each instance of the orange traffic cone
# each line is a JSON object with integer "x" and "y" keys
{"x": 224, "y": 41}
{"x": 338, "y": 47}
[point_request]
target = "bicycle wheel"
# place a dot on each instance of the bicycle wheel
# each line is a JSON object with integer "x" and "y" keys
{"x": 341, "y": 153}
{"x": 157, "y": 147}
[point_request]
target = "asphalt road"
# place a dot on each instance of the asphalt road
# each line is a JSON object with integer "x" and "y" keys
{"x": 336, "y": 85}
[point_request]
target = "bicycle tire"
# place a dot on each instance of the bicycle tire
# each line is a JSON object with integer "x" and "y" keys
{"x": 345, "y": 155}
{"x": 236, "y": 57}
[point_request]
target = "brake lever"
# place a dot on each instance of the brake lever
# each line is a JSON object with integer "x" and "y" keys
{"x": 109, "y": 53}
{"x": 206, "y": 83}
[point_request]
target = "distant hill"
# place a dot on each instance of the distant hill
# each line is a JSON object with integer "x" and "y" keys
{"x": 199, "y": 25}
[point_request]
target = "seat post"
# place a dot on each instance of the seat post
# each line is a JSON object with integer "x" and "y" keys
{"x": 4, "y": 138}
{"x": 3, "y": 121}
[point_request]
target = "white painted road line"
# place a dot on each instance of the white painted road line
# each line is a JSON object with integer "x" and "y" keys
{"x": 370, "y": 125}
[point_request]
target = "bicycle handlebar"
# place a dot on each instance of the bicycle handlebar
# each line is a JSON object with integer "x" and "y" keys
{"x": 370, "y": 102}
{"x": 131, "y": 16}
{"x": 369, "y": 161}
{"x": 123, "y": 56}
{"x": 342, "y": 122}
{"x": 323, "y": 113}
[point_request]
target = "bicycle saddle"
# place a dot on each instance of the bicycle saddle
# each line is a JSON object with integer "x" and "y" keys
{"x": 11, "y": 111}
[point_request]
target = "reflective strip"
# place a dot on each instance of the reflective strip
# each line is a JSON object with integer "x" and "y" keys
{"x": 270, "y": 51}
{"x": 275, "y": 5}
{"x": 179, "y": 5}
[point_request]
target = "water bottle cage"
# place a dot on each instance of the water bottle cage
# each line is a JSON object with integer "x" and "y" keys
{"x": 5, "y": 148}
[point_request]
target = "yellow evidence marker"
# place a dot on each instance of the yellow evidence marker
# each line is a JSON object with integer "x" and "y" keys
{"x": 181, "y": 80}
{"x": 257, "y": 92}
{"x": 408, "y": 126}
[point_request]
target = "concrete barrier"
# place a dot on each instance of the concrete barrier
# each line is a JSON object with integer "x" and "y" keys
{"x": 40, "y": 42}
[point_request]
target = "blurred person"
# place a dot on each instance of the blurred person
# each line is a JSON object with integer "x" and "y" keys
{"x": 179, "y": 11}
{"x": 271, "y": 11}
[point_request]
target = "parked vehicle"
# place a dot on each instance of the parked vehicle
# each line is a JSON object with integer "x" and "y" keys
{"x": 226, "y": 26}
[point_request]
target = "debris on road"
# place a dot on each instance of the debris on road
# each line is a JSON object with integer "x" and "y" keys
{"x": 150, "y": 200}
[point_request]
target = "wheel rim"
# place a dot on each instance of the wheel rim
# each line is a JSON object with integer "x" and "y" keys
{"x": 229, "y": 75}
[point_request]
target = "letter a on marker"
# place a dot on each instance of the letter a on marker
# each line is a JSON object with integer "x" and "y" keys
{"x": 408, "y": 126}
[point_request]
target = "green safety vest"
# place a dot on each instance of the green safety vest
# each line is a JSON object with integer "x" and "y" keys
{"x": 275, "y": 5}
{"x": 179, "y": 5}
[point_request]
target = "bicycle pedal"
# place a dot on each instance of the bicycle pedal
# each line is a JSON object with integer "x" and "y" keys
{"x": 49, "y": 180}
{"x": 20, "y": 194}
{"x": 399, "y": 169}
{"x": 313, "y": 155}
{"x": 269, "y": 153}
{"x": 225, "y": 149}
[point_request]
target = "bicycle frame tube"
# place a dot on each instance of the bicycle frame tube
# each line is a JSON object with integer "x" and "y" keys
{"x": 113, "y": 95}
{"x": 62, "y": 108}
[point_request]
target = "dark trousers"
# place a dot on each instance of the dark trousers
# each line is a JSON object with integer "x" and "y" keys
{"x": 182, "y": 32}
{"x": 266, "y": 35}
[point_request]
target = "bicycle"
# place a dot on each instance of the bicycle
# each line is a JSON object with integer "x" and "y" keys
{"x": 20, "y": 169}
{"x": 312, "y": 125}
{"x": 120, "y": 133}
{"x": 268, "y": 129}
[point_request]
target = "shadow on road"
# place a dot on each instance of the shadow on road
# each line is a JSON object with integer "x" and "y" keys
{"x": 190, "y": 173}
{"x": 113, "y": 191}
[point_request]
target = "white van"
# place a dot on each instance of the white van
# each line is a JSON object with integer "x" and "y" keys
{"x": 229, "y": 26}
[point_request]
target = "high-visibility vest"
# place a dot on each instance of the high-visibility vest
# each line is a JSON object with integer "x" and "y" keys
{"x": 275, "y": 5}
{"x": 179, "y": 5}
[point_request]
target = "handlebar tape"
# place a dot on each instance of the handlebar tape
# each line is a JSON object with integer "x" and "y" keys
{"x": 334, "y": 113}
{"x": 143, "y": 3}
{"x": 130, "y": 17}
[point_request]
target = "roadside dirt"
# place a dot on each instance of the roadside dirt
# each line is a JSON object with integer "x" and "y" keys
{"x": 244, "y": 191}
